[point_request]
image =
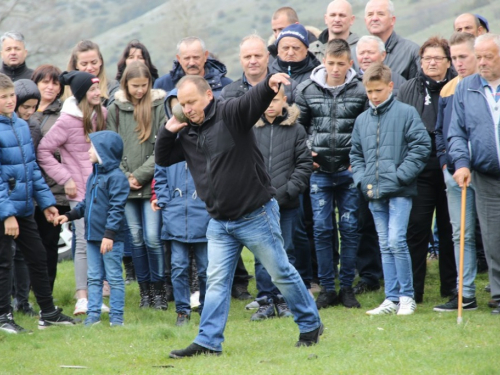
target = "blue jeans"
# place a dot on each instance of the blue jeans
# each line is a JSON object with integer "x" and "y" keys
{"x": 391, "y": 218}
{"x": 147, "y": 249}
{"x": 454, "y": 195}
{"x": 303, "y": 260}
{"x": 327, "y": 189}
{"x": 180, "y": 273}
{"x": 260, "y": 232}
{"x": 265, "y": 286}
{"x": 111, "y": 262}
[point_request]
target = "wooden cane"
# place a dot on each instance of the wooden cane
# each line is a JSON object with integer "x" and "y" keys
{"x": 462, "y": 245}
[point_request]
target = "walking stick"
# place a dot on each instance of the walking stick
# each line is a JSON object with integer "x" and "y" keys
{"x": 462, "y": 244}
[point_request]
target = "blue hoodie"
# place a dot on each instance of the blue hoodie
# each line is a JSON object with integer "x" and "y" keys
{"x": 107, "y": 191}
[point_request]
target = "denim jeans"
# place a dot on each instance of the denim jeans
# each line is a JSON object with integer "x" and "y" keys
{"x": 329, "y": 190}
{"x": 301, "y": 243}
{"x": 265, "y": 286}
{"x": 454, "y": 195}
{"x": 180, "y": 273}
{"x": 260, "y": 232}
{"x": 391, "y": 220}
{"x": 147, "y": 249}
{"x": 111, "y": 262}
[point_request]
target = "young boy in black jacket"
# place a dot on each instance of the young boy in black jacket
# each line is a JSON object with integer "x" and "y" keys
{"x": 288, "y": 162}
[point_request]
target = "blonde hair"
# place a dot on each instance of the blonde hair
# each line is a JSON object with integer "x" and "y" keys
{"x": 142, "y": 110}
{"x": 87, "y": 110}
{"x": 84, "y": 46}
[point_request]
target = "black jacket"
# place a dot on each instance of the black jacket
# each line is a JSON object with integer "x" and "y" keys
{"x": 222, "y": 154}
{"x": 298, "y": 71}
{"x": 287, "y": 158}
{"x": 241, "y": 86}
{"x": 328, "y": 116}
{"x": 19, "y": 72}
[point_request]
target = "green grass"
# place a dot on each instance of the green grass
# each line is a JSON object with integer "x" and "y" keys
{"x": 353, "y": 343}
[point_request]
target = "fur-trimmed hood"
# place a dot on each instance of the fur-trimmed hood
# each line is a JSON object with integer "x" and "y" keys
{"x": 157, "y": 97}
{"x": 289, "y": 118}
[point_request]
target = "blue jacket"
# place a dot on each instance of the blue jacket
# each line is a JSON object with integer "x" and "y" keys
{"x": 185, "y": 216}
{"x": 20, "y": 178}
{"x": 472, "y": 128}
{"x": 107, "y": 191}
{"x": 445, "y": 110}
{"x": 390, "y": 147}
{"x": 215, "y": 74}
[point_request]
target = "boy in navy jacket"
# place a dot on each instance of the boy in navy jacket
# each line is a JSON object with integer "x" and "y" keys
{"x": 103, "y": 209}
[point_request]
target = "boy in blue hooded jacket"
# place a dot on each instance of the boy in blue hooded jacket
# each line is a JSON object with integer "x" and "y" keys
{"x": 104, "y": 212}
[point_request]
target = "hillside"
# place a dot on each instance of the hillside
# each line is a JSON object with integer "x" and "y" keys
{"x": 160, "y": 24}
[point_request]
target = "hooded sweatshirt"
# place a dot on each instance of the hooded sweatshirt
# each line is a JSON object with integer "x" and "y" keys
{"x": 107, "y": 191}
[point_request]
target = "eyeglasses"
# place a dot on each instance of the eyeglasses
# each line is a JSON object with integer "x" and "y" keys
{"x": 437, "y": 59}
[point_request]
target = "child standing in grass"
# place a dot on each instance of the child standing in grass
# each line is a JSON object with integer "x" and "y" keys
{"x": 20, "y": 182}
{"x": 390, "y": 147}
{"x": 103, "y": 210}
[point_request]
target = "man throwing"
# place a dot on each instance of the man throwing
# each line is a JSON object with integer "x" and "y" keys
{"x": 230, "y": 176}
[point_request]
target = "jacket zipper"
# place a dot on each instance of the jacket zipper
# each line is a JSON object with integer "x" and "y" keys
{"x": 378, "y": 149}
{"x": 24, "y": 163}
{"x": 93, "y": 198}
{"x": 271, "y": 150}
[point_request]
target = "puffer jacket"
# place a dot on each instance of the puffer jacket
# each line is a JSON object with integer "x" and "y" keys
{"x": 46, "y": 120}
{"x": 390, "y": 147}
{"x": 215, "y": 74}
{"x": 328, "y": 114}
{"x": 106, "y": 193}
{"x": 298, "y": 71}
{"x": 286, "y": 156}
{"x": 318, "y": 47}
{"x": 138, "y": 158}
{"x": 68, "y": 137}
{"x": 185, "y": 216}
{"x": 241, "y": 86}
{"x": 473, "y": 136}
{"x": 20, "y": 178}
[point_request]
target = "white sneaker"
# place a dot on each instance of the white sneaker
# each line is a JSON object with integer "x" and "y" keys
{"x": 387, "y": 307}
{"x": 254, "y": 305}
{"x": 194, "y": 301}
{"x": 407, "y": 306}
{"x": 104, "y": 309}
{"x": 81, "y": 306}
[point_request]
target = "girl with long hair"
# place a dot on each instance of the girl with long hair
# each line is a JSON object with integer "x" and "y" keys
{"x": 136, "y": 114}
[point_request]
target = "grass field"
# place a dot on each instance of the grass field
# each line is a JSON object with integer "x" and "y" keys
{"x": 353, "y": 343}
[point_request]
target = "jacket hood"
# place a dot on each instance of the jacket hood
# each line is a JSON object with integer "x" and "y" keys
{"x": 167, "y": 104}
{"x": 297, "y": 67}
{"x": 157, "y": 97}
{"x": 318, "y": 75}
{"x": 109, "y": 147}
{"x": 26, "y": 89}
{"x": 70, "y": 106}
{"x": 214, "y": 71}
{"x": 289, "y": 117}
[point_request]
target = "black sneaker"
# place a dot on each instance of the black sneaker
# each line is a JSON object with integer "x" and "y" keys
{"x": 266, "y": 309}
{"x": 55, "y": 318}
{"x": 192, "y": 350}
{"x": 240, "y": 292}
{"x": 347, "y": 298}
{"x": 182, "y": 319}
{"x": 26, "y": 309}
{"x": 326, "y": 298}
{"x": 8, "y": 325}
{"x": 452, "y": 304}
{"x": 282, "y": 308}
{"x": 310, "y": 338}
{"x": 363, "y": 287}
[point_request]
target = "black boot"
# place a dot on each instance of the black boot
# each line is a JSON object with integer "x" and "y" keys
{"x": 128, "y": 264}
{"x": 159, "y": 302}
{"x": 145, "y": 297}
